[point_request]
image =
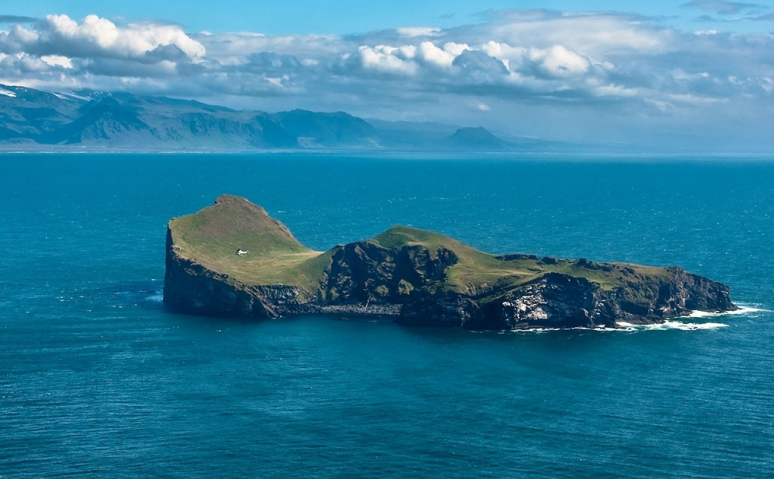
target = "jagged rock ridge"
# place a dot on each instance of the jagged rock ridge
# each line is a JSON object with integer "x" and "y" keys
{"x": 232, "y": 259}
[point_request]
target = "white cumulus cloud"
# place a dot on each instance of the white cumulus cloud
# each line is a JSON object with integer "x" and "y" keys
{"x": 559, "y": 61}
{"x": 387, "y": 59}
{"x": 59, "y": 35}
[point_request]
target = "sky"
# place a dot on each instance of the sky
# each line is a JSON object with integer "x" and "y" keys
{"x": 697, "y": 74}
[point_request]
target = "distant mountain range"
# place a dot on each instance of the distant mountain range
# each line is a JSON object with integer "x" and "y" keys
{"x": 34, "y": 119}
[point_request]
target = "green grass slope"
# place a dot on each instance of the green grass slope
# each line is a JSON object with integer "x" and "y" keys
{"x": 212, "y": 237}
{"x": 476, "y": 269}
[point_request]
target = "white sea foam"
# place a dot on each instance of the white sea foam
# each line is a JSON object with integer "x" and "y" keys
{"x": 156, "y": 298}
{"x": 7, "y": 93}
{"x": 675, "y": 324}
{"x": 532, "y": 330}
{"x": 667, "y": 325}
{"x": 741, "y": 311}
{"x": 548, "y": 330}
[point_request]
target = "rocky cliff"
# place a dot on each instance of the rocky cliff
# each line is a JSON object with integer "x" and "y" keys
{"x": 232, "y": 259}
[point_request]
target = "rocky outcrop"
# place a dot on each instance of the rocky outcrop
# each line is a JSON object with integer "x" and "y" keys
{"x": 410, "y": 281}
{"x": 562, "y": 301}
{"x": 362, "y": 279}
{"x": 557, "y": 300}
{"x": 365, "y": 273}
{"x": 446, "y": 309}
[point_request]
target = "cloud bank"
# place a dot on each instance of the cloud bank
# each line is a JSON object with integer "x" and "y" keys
{"x": 531, "y": 72}
{"x": 723, "y": 8}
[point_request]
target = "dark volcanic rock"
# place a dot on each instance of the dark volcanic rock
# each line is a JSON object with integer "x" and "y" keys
{"x": 363, "y": 272}
{"x": 448, "y": 309}
{"x": 557, "y": 300}
{"x": 554, "y": 300}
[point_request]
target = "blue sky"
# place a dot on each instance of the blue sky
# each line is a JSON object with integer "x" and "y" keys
{"x": 672, "y": 74}
{"x": 346, "y": 16}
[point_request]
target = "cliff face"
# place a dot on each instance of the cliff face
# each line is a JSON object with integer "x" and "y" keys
{"x": 363, "y": 272}
{"x": 192, "y": 288}
{"x": 561, "y": 301}
{"x": 417, "y": 277}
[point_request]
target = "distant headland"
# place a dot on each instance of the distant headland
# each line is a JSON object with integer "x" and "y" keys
{"x": 88, "y": 120}
{"x": 232, "y": 259}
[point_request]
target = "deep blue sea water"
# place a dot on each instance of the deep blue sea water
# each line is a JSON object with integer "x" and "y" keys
{"x": 97, "y": 379}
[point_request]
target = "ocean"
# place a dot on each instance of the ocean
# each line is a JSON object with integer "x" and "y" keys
{"x": 98, "y": 379}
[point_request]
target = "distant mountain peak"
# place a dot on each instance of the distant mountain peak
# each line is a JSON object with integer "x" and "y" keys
{"x": 475, "y": 138}
{"x": 327, "y": 129}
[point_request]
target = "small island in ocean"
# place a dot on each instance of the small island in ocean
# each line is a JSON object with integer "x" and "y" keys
{"x": 232, "y": 259}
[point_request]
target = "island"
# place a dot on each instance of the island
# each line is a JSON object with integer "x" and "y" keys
{"x": 232, "y": 259}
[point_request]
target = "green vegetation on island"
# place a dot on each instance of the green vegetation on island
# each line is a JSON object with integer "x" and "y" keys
{"x": 239, "y": 245}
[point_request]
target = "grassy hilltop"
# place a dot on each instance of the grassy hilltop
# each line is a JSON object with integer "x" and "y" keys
{"x": 212, "y": 237}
